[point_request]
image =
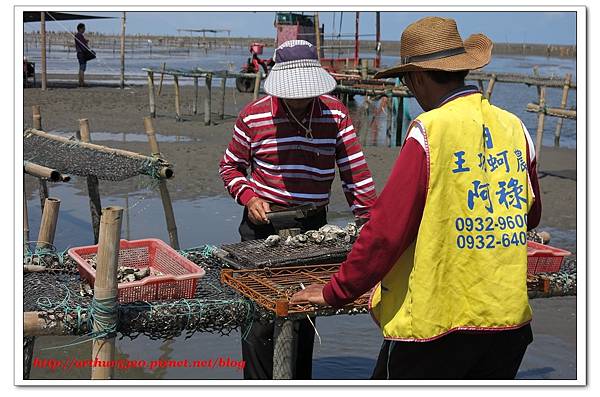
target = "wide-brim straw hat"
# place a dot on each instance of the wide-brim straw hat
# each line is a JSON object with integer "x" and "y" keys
{"x": 433, "y": 43}
{"x": 297, "y": 72}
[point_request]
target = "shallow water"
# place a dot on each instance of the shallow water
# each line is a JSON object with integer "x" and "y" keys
{"x": 214, "y": 220}
{"x": 513, "y": 97}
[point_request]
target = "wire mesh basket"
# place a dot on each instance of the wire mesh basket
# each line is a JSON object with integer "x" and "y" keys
{"x": 272, "y": 288}
{"x": 544, "y": 258}
{"x": 171, "y": 275}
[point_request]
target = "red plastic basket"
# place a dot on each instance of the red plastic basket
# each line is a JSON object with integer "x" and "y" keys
{"x": 544, "y": 258}
{"x": 179, "y": 278}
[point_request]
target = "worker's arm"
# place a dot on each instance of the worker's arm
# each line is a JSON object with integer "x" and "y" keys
{"x": 357, "y": 181}
{"x": 233, "y": 167}
{"x": 393, "y": 226}
{"x": 535, "y": 212}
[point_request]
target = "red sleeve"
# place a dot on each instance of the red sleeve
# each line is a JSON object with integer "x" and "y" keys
{"x": 236, "y": 160}
{"x": 395, "y": 219}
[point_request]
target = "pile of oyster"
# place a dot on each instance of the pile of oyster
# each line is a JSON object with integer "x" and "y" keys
{"x": 327, "y": 233}
{"x": 128, "y": 274}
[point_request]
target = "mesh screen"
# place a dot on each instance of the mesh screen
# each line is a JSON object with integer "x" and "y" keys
{"x": 73, "y": 158}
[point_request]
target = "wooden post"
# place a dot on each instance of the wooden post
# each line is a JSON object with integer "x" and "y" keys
{"x": 208, "y": 100}
{"x": 318, "y": 35}
{"x": 43, "y": 44}
{"x": 490, "y": 87}
{"x": 285, "y": 346}
{"x": 105, "y": 288}
{"x": 563, "y": 104}
{"x": 377, "y": 39}
{"x": 195, "y": 101}
{"x": 43, "y": 192}
{"x": 257, "y": 85}
{"x": 151, "y": 94}
{"x": 122, "y": 84}
{"x": 162, "y": 75}
{"x": 164, "y": 191}
{"x": 48, "y": 224}
{"x": 92, "y": 184}
{"x": 540, "y": 128}
{"x": 399, "y": 121}
{"x": 364, "y": 68}
{"x": 177, "y": 99}
{"x": 37, "y": 117}
{"x": 480, "y": 84}
{"x": 25, "y": 217}
{"x": 223, "y": 92}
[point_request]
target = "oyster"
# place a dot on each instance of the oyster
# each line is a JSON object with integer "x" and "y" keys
{"x": 272, "y": 240}
{"x": 315, "y": 236}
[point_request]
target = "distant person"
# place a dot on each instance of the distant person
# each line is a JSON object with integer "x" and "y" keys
{"x": 446, "y": 243}
{"x": 81, "y": 45}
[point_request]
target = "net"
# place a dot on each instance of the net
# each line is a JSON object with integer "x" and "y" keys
{"x": 70, "y": 156}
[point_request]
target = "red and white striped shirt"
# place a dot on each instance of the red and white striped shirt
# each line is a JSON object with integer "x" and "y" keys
{"x": 290, "y": 168}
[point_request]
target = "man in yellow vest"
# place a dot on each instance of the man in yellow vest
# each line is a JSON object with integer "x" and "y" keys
{"x": 446, "y": 246}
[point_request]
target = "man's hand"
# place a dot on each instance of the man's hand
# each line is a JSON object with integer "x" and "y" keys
{"x": 311, "y": 294}
{"x": 257, "y": 210}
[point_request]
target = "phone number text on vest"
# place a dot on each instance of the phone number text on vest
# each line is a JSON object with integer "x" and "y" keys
{"x": 489, "y": 224}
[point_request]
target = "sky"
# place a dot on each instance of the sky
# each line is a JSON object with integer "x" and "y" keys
{"x": 547, "y": 27}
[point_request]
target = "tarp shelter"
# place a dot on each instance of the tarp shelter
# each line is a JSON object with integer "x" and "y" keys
{"x": 36, "y": 16}
{"x": 41, "y": 16}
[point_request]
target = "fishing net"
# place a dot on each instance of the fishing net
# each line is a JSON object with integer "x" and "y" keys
{"x": 61, "y": 295}
{"x": 69, "y": 156}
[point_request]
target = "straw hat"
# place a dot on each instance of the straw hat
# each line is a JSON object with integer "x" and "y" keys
{"x": 297, "y": 72}
{"x": 433, "y": 43}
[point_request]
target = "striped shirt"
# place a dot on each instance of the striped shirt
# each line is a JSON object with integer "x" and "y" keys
{"x": 287, "y": 167}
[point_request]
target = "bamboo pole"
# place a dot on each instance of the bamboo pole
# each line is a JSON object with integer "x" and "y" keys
{"x": 399, "y": 121}
{"x": 257, "y": 85}
{"x": 123, "y": 17}
{"x": 490, "y": 87}
{"x": 40, "y": 171}
{"x": 43, "y": 44}
{"x": 177, "y": 99}
{"x": 164, "y": 191}
{"x": 195, "y": 99}
{"x": 37, "y": 117}
{"x": 553, "y": 112}
{"x": 151, "y": 96}
{"x": 162, "y": 76}
{"x": 38, "y": 324}
{"x": 25, "y": 217}
{"x": 480, "y": 84}
{"x": 208, "y": 100}
{"x": 92, "y": 184}
{"x": 540, "y": 127}
{"x": 377, "y": 39}
{"x": 563, "y": 105}
{"x": 364, "y": 68}
{"x": 48, "y": 224}
{"x": 165, "y": 171}
{"x": 223, "y": 92}
{"x": 285, "y": 346}
{"x": 318, "y": 35}
{"x": 105, "y": 288}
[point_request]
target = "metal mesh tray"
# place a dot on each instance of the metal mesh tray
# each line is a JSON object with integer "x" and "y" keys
{"x": 255, "y": 254}
{"x": 272, "y": 288}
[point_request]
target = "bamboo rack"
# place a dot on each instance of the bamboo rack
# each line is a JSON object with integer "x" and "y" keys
{"x": 165, "y": 170}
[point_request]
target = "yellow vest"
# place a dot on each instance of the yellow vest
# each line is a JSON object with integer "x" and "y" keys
{"x": 467, "y": 269}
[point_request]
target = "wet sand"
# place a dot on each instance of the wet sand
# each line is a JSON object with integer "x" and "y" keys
{"x": 195, "y": 159}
